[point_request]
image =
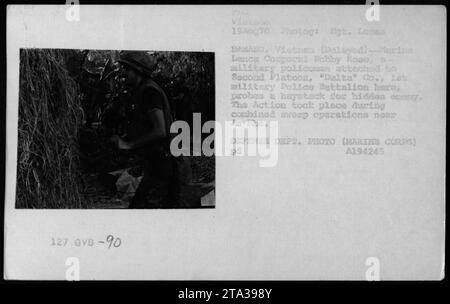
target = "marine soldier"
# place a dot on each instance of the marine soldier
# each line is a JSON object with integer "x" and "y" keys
{"x": 148, "y": 132}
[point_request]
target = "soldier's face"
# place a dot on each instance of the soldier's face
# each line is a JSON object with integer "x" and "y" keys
{"x": 130, "y": 78}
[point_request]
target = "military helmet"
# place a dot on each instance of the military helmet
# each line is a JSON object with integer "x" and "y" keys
{"x": 141, "y": 61}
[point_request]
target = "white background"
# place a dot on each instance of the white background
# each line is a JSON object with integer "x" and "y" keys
{"x": 319, "y": 214}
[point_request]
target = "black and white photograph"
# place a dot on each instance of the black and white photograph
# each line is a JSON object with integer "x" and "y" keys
{"x": 94, "y": 129}
{"x": 225, "y": 143}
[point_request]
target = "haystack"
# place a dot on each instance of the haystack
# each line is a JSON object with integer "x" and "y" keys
{"x": 50, "y": 116}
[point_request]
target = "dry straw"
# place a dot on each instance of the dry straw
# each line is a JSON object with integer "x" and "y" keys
{"x": 50, "y": 116}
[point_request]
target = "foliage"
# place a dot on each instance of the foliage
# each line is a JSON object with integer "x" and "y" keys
{"x": 176, "y": 72}
{"x": 194, "y": 71}
{"x": 62, "y": 92}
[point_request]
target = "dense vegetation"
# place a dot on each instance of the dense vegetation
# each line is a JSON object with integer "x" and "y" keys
{"x": 64, "y": 94}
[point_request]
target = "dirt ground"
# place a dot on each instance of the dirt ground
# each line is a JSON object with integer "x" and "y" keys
{"x": 101, "y": 193}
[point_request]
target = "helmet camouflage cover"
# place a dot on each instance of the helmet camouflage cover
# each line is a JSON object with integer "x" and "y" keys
{"x": 141, "y": 61}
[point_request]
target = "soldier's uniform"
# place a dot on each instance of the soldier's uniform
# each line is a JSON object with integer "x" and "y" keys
{"x": 159, "y": 187}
